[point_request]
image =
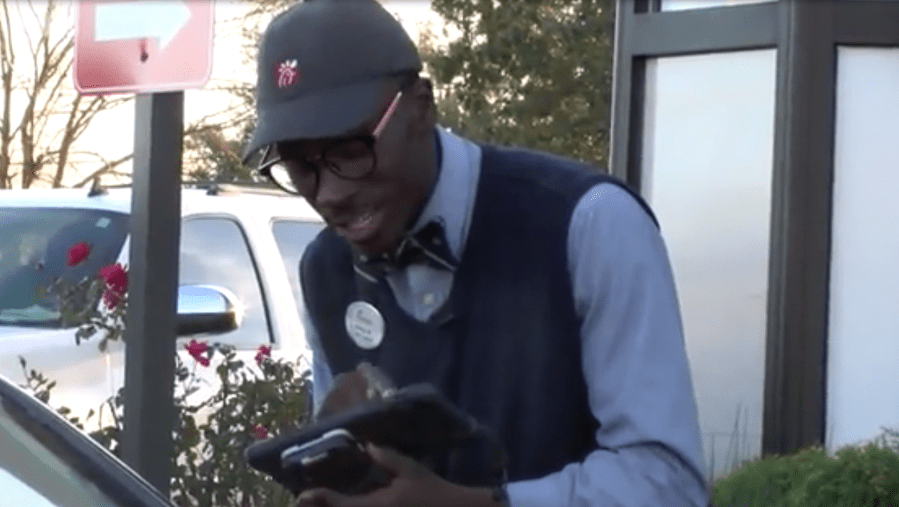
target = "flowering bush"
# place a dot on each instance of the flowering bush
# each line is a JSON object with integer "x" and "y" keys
{"x": 250, "y": 400}
{"x": 78, "y": 302}
{"x": 250, "y": 405}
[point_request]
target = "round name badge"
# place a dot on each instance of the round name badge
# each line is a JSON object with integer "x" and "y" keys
{"x": 364, "y": 324}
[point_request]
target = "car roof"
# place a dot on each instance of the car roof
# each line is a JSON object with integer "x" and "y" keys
{"x": 194, "y": 200}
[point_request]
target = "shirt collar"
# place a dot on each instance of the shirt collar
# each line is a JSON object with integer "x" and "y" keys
{"x": 451, "y": 198}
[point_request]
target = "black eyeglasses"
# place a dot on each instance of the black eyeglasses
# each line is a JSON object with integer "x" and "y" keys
{"x": 352, "y": 159}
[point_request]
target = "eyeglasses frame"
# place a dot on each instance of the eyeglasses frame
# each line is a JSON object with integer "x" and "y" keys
{"x": 265, "y": 166}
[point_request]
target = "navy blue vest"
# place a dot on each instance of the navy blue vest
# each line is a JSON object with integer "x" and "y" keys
{"x": 506, "y": 345}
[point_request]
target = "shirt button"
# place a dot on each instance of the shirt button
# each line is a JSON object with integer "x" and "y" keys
{"x": 428, "y": 299}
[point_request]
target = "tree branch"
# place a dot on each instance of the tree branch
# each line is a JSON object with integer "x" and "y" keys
{"x": 68, "y": 137}
{"x": 106, "y": 168}
{"x": 59, "y": 66}
{"x": 7, "y": 66}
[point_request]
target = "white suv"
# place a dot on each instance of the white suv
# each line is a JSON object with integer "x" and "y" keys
{"x": 245, "y": 240}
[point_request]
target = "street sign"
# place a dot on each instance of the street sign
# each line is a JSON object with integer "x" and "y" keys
{"x": 135, "y": 46}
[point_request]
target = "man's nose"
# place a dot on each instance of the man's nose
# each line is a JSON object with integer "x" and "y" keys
{"x": 333, "y": 191}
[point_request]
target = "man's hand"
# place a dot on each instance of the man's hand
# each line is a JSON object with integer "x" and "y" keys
{"x": 413, "y": 485}
{"x": 348, "y": 390}
{"x": 353, "y": 388}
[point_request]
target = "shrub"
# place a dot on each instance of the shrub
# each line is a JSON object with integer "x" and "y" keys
{"x": 866, "y": 476}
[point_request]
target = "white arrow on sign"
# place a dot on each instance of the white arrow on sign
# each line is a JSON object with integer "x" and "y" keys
{"x": 134, "y": 20}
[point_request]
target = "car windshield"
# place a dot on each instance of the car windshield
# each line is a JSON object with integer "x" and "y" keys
{"x": 33, "y": 255}
{"x": 45, "y": 462}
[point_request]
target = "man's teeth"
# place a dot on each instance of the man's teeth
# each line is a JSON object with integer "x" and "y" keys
{"x": 362, "y": 220}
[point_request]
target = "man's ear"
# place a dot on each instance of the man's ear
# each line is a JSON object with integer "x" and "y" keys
{"x": 426, "y": 86}
{"x": 422, "y": 93}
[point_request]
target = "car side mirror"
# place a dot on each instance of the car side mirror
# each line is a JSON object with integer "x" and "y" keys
{"x": 206, "y": 309}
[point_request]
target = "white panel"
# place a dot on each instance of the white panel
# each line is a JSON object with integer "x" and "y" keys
{"x": 708, "y": 151}
{"x": 683, "y": 5}
{"x": 863, "y": 358}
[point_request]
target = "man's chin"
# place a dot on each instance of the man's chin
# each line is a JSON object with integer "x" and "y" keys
{"x": 375, "y": 247}
{"x": 369, "y": 249}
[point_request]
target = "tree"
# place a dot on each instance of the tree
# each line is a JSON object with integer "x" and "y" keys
{"x": 42, "y": 117}
{"x": 217, "y": 156}
{"x": 214, "y": 145}
{"x": 533, "y": 73}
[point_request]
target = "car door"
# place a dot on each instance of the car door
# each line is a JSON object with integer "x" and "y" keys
{"x": 215, "y": 251}
{"x": 292, "y": 237}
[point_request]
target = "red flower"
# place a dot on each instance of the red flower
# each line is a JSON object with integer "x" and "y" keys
{"x": 111, "y": 298}
{"x": 116, "y": 279}
{"x": 197, "y": 350}
{"x": 262, "y": 353}
{"x": 258, "y": 432}
{"x": 77, "y": 253}
{"x": 115, "y": 276}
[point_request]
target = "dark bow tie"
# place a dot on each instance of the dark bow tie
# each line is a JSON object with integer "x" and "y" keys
{"x": 427, "y": 246}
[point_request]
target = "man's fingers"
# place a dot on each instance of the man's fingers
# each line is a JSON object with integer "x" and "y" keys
{"x": 348, "y": 390}
{"x": 320, "y": 498}
{"x": 328, "y": 498}
{"x": 389, "y": 459}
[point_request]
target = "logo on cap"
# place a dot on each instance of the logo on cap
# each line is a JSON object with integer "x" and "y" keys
{"x": 288, "y": 74}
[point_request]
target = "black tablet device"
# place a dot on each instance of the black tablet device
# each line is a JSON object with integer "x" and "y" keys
{"x": 415, "y": 420}
{"x": 337, "y": 461}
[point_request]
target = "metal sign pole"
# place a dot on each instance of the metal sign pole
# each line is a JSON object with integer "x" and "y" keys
{"x": 153, "y": 286}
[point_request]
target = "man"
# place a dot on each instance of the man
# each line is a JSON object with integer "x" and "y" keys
{"x": 532, "y": 291}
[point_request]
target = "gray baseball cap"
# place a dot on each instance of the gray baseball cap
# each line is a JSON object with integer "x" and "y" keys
{"x": 322, "y": 69}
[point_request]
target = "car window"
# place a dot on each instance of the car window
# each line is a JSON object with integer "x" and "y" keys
{"x": 33, "y": 251}
{"x": 34, "y": 472}
{"x": 292, "y": 237}
{"x": 46, "y": 462}
{"x": 214, "y": 251}
{"x": 31, "y": 475}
